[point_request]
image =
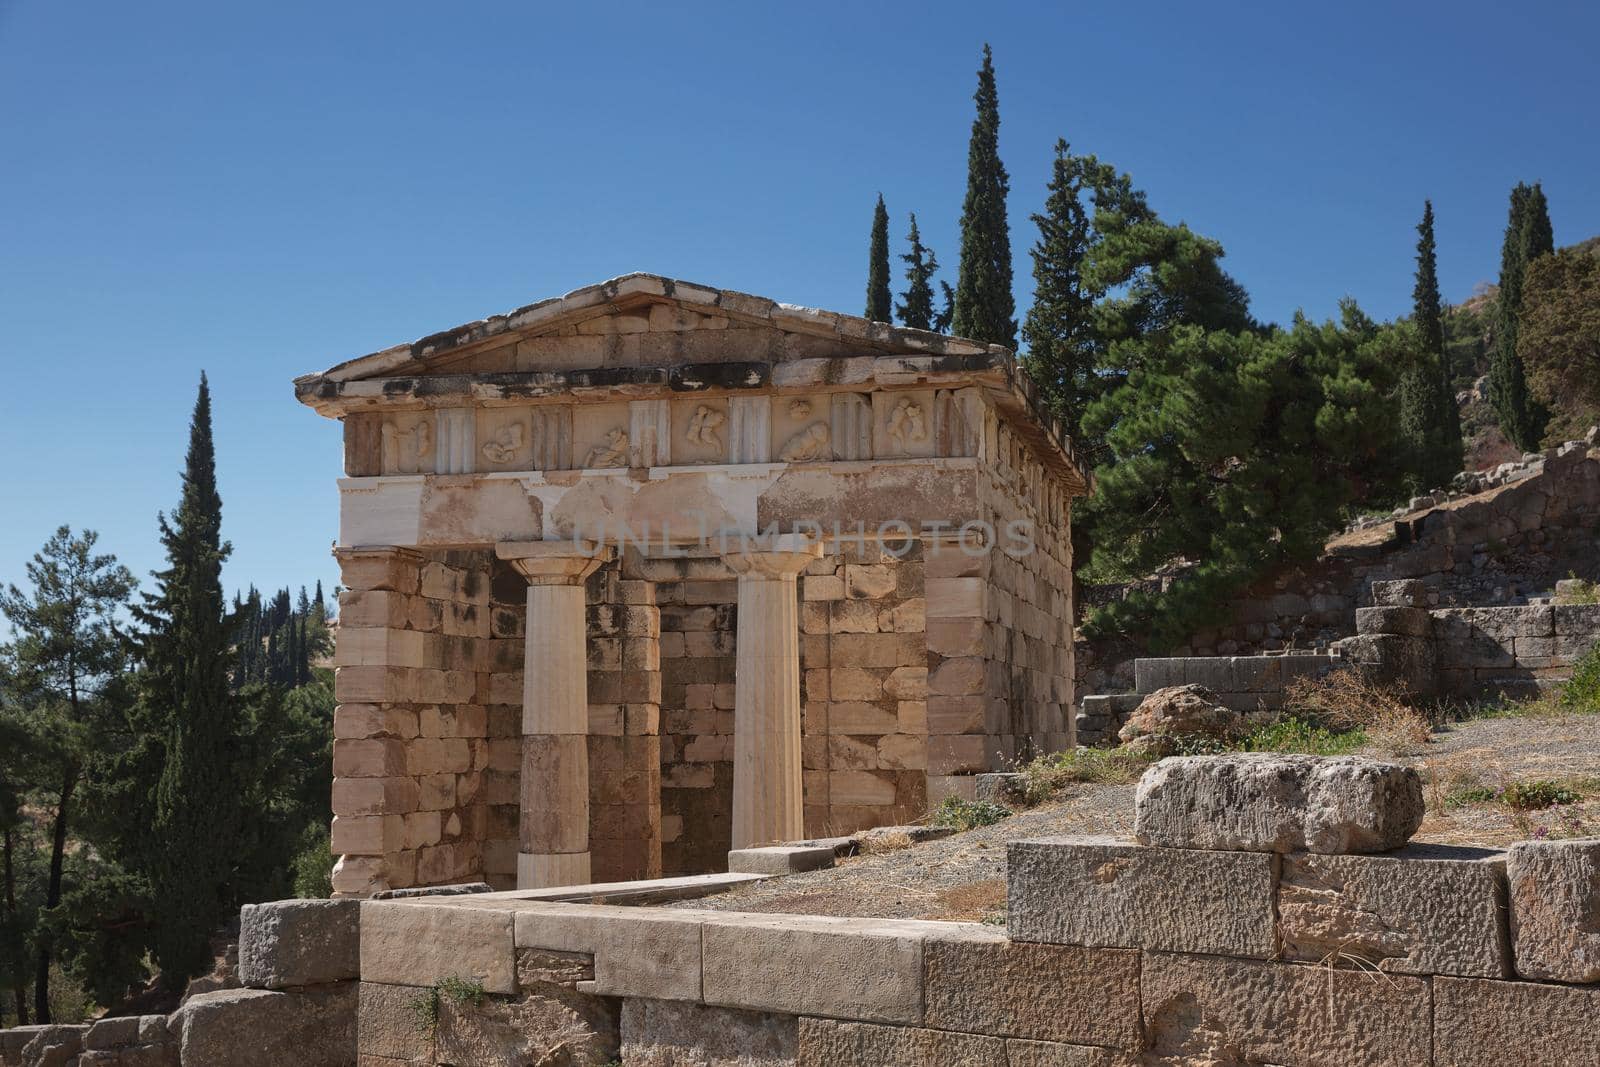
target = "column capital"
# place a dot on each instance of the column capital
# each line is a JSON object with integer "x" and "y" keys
{"x": 780, "y": 557}
{"x": 554, "y": 562}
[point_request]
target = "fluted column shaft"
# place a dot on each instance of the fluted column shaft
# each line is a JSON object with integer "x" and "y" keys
{"x": 553, "y": 828}
{"x": 767, "y": 800}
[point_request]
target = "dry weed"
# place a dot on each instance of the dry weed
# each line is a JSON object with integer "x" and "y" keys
{"x": 1347, "y": 701}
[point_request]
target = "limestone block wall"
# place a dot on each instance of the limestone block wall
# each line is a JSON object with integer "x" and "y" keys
{"x": 864, "y": 687}
{"x": 1113, "y": 953}
{"x": 412, "y": 732}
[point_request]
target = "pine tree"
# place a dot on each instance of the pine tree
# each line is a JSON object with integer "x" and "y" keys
{"x": 186, "y": 648}
{"x": 62, "y": 681}
{"x": 916, "y": 306}
{"x": 1057, "y": 329}
{"x": 1528, "y": 235}
{"x": 878, "y": 296}
{"x": 1429, "y": 418}
{"x": 984, "y": 307}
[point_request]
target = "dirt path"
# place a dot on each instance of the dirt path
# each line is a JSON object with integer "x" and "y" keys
{"x": 962, "y": 877}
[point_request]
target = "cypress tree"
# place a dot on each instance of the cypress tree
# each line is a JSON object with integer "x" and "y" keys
{"x": 984, "y": 307}
{"x": 878, "y": 297}
{"x": 1057, "y": 328}
{"x": 916, "y": 307}
{"x": 186, "y": 648}
{"x": 1429, "y": 418}
{"x": 1528, "y": 235}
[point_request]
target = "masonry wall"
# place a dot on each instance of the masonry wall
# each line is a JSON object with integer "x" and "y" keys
{"x": 412, "y": 730}
{"x": 1113, "y": 954}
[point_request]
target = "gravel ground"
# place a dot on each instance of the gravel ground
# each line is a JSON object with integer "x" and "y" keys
{"x": 962, "y": 877}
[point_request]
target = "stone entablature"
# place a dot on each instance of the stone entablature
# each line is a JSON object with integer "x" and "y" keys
{"x": 808, "y": 573}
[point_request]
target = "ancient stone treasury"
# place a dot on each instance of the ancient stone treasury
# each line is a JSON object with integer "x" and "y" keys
{"x": 652, "y": 571}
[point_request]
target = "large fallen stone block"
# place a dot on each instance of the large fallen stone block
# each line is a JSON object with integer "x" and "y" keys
{"x": 1268, "y": 802}
{"x": 1426, "y": 909}
{"x": 406, "y": 943}
{"x": 1059, "y": 993}
{"x": 1555, "y": 909}
{"x": 266, "y": 1028}
{"x": 299, "y": 943}
{"x": 664, "y": 1033}
{"x": 1479, "y": 1023}
{"x": 1104, "y": 892}
{"x": 1211, "y": 1009}
{"x": 779, "y": 859}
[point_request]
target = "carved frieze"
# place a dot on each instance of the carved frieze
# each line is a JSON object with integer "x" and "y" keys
{"x": 408, "y": 443}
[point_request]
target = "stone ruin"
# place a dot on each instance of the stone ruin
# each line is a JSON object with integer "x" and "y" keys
{"x": 1270, "y": 910}
{"x": 653, "y": 570}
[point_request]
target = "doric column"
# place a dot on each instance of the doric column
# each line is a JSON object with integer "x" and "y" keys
{"x": 766, "y": 701}
{"x": 553, "y": 846}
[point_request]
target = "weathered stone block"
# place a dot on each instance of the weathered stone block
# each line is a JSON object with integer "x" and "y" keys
{"x": 779, "y": 859}
{"x": 1102, "y": 892}
{"x": 1266, "y": 802}
{"x": 852, "y": 968}
{"x": 45, "y": 1046}
{"x": 1407, "y": 593}
{"x": 417, "y": 944}
{"x": 299, "y": 943}
{"x": 1555, "y": 909}
{"x": 1426, "y": 909}
{"x": 1412, "y": 622}
{"x": 265, "y": 1028}
{"x": 1211, "y": 1009}
{"x": 1064, "y": 993}
{"x": 1479, "y": 1023}
{"x": 663, "y": 1033}
{"x": 551, "y": 1025}
{"x": 830, "y": 1043}
{"x": 638, "y": 952}
{"x": 1405, "y": 664}
{"x": 387, "y": 1023}
{"x": 1577, "y": 620}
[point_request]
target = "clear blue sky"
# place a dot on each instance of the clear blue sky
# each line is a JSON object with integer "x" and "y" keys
{"x": 263, "y": 190}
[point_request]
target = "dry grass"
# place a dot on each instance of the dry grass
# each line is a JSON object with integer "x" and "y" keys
{"x": 1346, "y": 701}
{"x": 972, "y": 902}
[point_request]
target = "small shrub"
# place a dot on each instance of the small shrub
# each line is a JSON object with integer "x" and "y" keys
{"x": 313, "y": 865}
{"x": 1345, "y": 701}
{"x": 1582, "y": 691}
{"x": 1537, "y": 795}
{"x": 1584, "y": 593}
{"x": 968, "y": 814}
{"x": 426, "y": 1005}
{"x": 1476, "y": 794}
{"x": 1046, "y": 776}
{"x": 1295, "y": 734}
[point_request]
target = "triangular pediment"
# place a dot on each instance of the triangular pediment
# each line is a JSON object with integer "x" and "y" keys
{"x": 645, "y": 320}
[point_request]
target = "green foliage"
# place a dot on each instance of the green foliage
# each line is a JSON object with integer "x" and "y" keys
{"x": 1429, "y": 418}
{"x": 916, "y": 303}
{"x": 1581, "y": 692}
{"x": 1585, "y": 593}
{"x": 1044, "y": 777}
{"x": 1527, "y": 237}
{"x": 1234, "y": 450}
{"x": 984, "y": 308}
{"x": 1558, "y": 339}
{"x": 1536, "y": 795}
{"x": 313, "y": 865}
{"x": 61, "y": 687}
{"x": 427, "y": 1006}
{"x": 878, "y": 265}
{"x": 967, "y": 814}
{"x": 187, "y": 709}
{"x": 1294, "y": 734}
{"x": 1058, "y": 331}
